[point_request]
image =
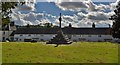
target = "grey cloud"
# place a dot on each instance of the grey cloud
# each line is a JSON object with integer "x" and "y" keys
{"x": 72, "y": 5}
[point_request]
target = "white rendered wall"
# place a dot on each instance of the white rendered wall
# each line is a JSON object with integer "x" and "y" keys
{"x": 91, "y": 37}
{"x": 47, "y": 37}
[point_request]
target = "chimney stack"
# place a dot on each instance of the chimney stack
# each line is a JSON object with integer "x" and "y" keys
{"x": 93, "y": 25}
{"x": 70, "y": 25}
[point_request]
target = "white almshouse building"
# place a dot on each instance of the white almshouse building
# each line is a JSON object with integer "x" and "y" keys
{"x": 74, "y": 34}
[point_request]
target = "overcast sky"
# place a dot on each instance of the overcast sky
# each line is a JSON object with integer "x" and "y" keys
{"x": 104, "y": 0}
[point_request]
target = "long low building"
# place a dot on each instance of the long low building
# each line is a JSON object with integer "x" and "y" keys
{"x": 74, "y": 34}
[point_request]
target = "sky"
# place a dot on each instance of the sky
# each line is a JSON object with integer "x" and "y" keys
{"x": 104, "y": 0}
{"x": 59, "y": 0}
{"x": 79, "y": 14}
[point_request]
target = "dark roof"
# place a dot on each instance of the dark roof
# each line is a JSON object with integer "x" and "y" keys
{"x": 65, "y": 30}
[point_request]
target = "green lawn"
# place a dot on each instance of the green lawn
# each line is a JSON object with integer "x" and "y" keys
{"x": 77, "y": 52}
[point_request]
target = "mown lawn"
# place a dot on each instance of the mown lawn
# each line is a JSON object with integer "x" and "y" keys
{"x": 77, "y": 52}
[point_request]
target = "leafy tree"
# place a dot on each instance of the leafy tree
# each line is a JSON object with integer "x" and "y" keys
{"x": 116, "y": 23}
{"x": 6, "y": 10}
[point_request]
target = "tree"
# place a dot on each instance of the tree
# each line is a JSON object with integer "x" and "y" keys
{"x": 116, "y": 23}
{"x": 6, "y": 10}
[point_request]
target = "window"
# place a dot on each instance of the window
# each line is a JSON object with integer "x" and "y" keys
{"x": 89, "y": 35}
{"x": 3, "y": 38}
{"x": 12, "y": 38}
{"x": 42, "y": 39}
{"x": 20, "y": 39}
{"x": 99, "y": 35}
{"x": 74, "y": 35}
{"x": 80, "y": 35}
{"x": 29, "y": 35}
{"x": 75, "y": 40}
{"x": 21, "y": 35}
{"x": 82, "y": 39}
{"x": 35, "y": 38}
{"x": 4, "y": 33}
{"x": 16, "y": 39}
{"x": 42, "y": 35}
{"x": 35, "y": 35}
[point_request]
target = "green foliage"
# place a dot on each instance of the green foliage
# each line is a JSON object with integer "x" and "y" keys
{"x": 6, "y": 10}
{"x": 8, "y": 5}
{"x": 78, "y": 52}
{"x": 5, "y": 21}
{"x": 116, "y": 24}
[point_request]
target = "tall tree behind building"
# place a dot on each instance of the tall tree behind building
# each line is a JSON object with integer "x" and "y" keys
{"x": 116, "y": 23}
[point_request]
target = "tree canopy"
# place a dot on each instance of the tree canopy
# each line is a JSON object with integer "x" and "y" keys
{"x": 116, "y": 23}
{"x": 6, "y": 10}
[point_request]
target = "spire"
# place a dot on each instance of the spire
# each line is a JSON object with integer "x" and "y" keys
{"x": 60, "y": 19}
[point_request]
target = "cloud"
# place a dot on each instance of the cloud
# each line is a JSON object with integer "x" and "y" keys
{"x": 113, "y": 5}
{"x": 86, "y": 13}
{"x": 97, "y": 16}
{"x": 72, "y": 5}
{"x": 26, "y": 7}
{"x": 31, "y": 18}
{"x": 80, "y": 5}
{"x": 88, "y": 5}
{"x": 78, "y": 20}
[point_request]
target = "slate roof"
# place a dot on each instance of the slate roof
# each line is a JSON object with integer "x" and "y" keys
{"x": 67, "y": 30}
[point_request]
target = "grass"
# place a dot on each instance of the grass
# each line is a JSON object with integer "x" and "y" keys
{"x": 77, "y": 52}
